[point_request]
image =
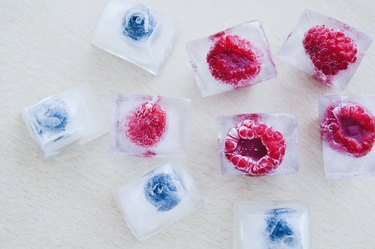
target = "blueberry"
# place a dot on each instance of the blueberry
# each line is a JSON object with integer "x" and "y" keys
{"x": 277, "y": 229}
{"x": 138, "y": 24}
{"x": 161, "y": 192}
{"x": 52, "y": 117}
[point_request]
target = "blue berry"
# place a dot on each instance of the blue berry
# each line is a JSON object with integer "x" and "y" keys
{"x": 161, "y": 192}
{"x": 278, "y": 230}
{"x": 138, "y": 23}
{"x": 52, "y": 117}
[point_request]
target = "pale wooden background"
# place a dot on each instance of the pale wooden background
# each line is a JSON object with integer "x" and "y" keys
{"x": 67, "y": 203}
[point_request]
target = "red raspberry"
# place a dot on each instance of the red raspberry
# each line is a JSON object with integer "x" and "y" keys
{"x": 254, "y": 148}
{"x": 233, "y": 60}
{"x": 349, "y": 128}
{"x": 147, "y": 124}
{"x": 330, "y": 51}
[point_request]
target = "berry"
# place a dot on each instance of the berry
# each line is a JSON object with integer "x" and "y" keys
{"x": 147, "y": 124}
{"x": 348, "y": 128}
{"x": 278, "y": 230}
{"x": 233, "y": 60}
{"x": 254, "y": 148}
{"x": 161, "y": 192}
{"x": 330, "y": 51}
{"x": 138, "y": 24}
{"x": 53, "y": 116}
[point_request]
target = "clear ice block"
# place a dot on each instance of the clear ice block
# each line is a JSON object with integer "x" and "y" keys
{"x": 274, "y": 225}
{"x": 144, "y": 125}
{"x": 157, "y": 199}
{"x": 348, "y": 133}
{"x": 64, "y": 120}
{"x": 236, "y": 57}
{"x": 258, "y": 144}
{"x": 136, "y": 33}
{"x": 325, "y": 48}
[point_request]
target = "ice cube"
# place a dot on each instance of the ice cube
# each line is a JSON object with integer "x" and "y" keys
{"x": 326, "y": 48}
{"x": 144, "y": 125}
{"x": 274, "y": 225}
{"x": 64, "y": 120}
{"x": 258, "y": 144}
{"x": 136, "y": 33}
{"x": 157, "y": 199}
{"x": 348, "y": 134}
{"x": 236, "y": 57}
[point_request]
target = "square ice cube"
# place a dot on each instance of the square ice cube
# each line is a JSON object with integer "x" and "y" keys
{"x": 274, "y": 225}
{"x": 144, "y": 125}
{"x": 236, "y": 57}
{"x": 64, "y": 120}
{"x": 348, "y": 133}
{"x": 157, "y": 199}
{"x": 258, "y": 144}
{"x": 136, "y": 33}
{"x": 326, "y": 48}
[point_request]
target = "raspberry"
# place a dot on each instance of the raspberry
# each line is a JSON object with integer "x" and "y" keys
{"x": 254, "y": 148}
{"x": 330, "y": 51}
{"x": 232, "y": 60}
{"x": 349, "y": 128}
{"x": 147, "y": 124}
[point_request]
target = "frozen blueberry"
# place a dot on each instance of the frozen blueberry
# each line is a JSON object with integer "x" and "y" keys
{"x": 138, "y": 23}
{"x": 52, "y": 117}
{"x": 161, "y": 192}
{"x": 278, "y": 230}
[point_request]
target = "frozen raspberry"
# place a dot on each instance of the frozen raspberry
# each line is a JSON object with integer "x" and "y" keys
{"x": 233, "y": 60}
{"x": 348, "y": 128}
{"x": 216, "y": 36}
{"x": 147, "y": 124}
{"x": 254, "y": 148}
{"x": 330, "y": 51}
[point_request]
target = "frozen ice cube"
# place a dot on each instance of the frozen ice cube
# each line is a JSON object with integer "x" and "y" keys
{"x": 144, "y": 125}
{"x": 64, "y": 120}
{"x": 326, "y": 48}
{"x": 348, "y": 133}
{"x": 274, "y": 225}
{"x": 136, "y": 33}
{"x": 258, "y": 144}
{"x": 159, "y": 198}
{"x": 236, "y": 57}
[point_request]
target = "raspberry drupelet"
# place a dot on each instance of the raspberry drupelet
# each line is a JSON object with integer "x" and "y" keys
{"x": 232, "y": 60}
{"x": 330, "y": 51}
{"x": 254, "y": 148}
{"x": 147, "y": 124}
{"x": 348, "y": 128}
